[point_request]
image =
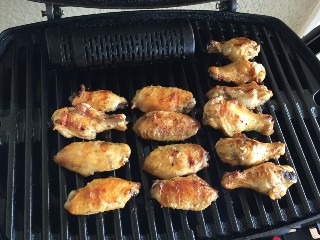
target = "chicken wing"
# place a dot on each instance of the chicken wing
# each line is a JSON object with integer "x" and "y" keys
{"x": 187, "y": 193}
{"x": 232, "y": 117}
{"x": 251, "y": 95}
{"x": 86, "y": 158}
{"x": 242, "y": 151}
{"x": 239, "y": 72}
{"x": 102, "y": 100}
{"x": 166, "y": 126}
{"x": 235, "y": 49}
{"x": 266, "y": 178}
{"x": 83, "y": 121}
{"x": 174, "y": 160}
{"x": 157, "y": 98}
{"x": 101, "y": 195}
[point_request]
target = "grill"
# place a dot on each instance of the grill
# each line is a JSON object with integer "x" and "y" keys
{"x": 33, "y": 188}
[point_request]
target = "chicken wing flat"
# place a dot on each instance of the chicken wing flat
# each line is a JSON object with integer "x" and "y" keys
{"x": 83, "y": 121}
{"x": 232, "y": 117}
{"x": 239, "y": 72}
{"x": 102, "y": 100}
{"x": 266, "y": 178}
{"x": 174, "y": 160}
{"x": 242, "y": 151}
{"x": 101, "y": 195}
{"x": 187, "y": 193}
{"x": 235, "y": 49}
{"x": 251, "y": 95}
{"x": 157, "y": 98}
{"x": 166, "y": 126}
{"x": 86, "y": 158}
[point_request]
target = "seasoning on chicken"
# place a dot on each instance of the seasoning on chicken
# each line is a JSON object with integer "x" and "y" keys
{"x": 239, "y": 72}
{"x": 86, "y": 158}
{"x": 187, "y": 193}
{"x": 101, "y": 195}
{"x": 251, "y": 95}
{"x": 102, "y": 100}
{"x": 266, "y": 178}
{"x": 235, "y": 49}
{"x": 157, "y": 98}
{"x": 232, "y": 117}
{"x": 174, "y": 160}
{"x": 243, "y": 151}
{"x": 83, "y": 121}
{"x": 166, "y": 126}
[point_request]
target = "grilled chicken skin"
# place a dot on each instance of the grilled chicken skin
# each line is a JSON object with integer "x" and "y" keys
{"x": 242, "y": 151}
{"x": 235, "y": 49}
{"x": 102, "y": 100}
{"x": 166, "y": 126}
{"x": 187, "y": 193}
{"x": 232, "y": 117}
{"x": 86, "y": 158}
{"x": 266, "y": 178}
{"x": 174, "y": 160}
{"x": 157, "y": 98}
{"x": 101, "y": 195}
{"x": 239, "y": 72}
{"x": 251, "y": 95}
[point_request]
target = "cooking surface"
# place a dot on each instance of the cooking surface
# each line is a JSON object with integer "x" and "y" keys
{"x": 33, "y": 188}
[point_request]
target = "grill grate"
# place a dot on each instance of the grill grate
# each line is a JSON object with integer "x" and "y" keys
{"x": 33, "y": 188}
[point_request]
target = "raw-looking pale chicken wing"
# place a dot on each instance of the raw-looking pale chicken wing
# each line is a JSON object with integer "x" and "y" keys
{"x": 187, "y": 193}
{"x": 232, "y": 117}
{"x": 239, "y": 72}
{"x": 86, "y": 158}
{"x": 83, "y": 121}
{"x": 157, "y": 98}
{"x": 174, "y": 160}
{"x": 243, "y": 151}
{"x": 235, "y": 49}
{"x": 101, "y": 195}
{"x": 166, "y": 126}
{"x": 251, "y": 95}
{"x": 102, "y": 100}
{"x": 266, "y": 178}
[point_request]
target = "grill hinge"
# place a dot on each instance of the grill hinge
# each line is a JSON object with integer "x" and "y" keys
{"x": 52, "y": 11}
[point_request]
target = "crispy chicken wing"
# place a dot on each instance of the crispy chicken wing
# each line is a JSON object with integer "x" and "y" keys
{"x": 187, "y": 193}
{"x": 175, "y": 160}
{"x": 86, "y": 158}
{"x": 166, "y": 126}
{"x": 157, "y": 98}
{"x": 242, "y": 151}
{"x": 232, "y": 117}
{"x": 251, "y": 95}
{"x": 101, "y": 195}
{"x": 102, "y": 100}
{"x": 83, "y": 121}
{"x": 235, "y": 49}
{"x": 266, "y": 178}
{"x": 239, "y": 72}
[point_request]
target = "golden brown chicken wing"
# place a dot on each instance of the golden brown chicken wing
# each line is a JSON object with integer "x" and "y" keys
{"x": 232, "y": 117}
{"x": 102, "y": 100}
{"x": 251, "y": 95}
{"x": 242, "y": 151}
{"x": 187, "y": 193}
{"x": 175, "y": 160}
{"x": 239, "y": 72}
{"x": 101, "y": 195}
{"x": 166, "y": 126}
{"x": 86, "y": 158}
{"x": 157, "y": 98}
{"x": 266, "y": 178}
{"x": 83, "y": 121}
{"x": 235, "y": 49}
